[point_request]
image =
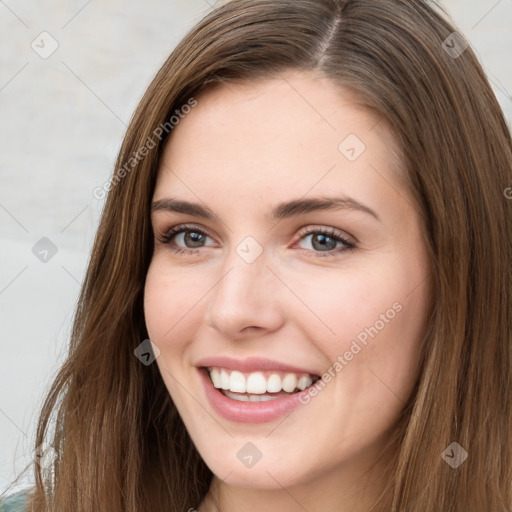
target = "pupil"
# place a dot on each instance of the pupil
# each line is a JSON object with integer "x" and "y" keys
{"x": 322, "y": 239}
{"x": 195, "y": 237}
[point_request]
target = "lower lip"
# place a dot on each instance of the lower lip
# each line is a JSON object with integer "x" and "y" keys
{"x": 249, "y": 412}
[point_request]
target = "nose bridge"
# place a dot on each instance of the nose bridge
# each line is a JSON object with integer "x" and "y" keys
{"x": 245, "y": 276}
{"x": 245, "y": 294}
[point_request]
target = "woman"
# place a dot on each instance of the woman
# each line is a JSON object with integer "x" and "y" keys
{"x": 309, "y": 220}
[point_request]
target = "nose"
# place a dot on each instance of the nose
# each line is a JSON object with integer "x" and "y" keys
{"x": 245, "y": 301}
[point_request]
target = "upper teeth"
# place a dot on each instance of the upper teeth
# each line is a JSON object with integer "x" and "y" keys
{"x": 258, "y": 382}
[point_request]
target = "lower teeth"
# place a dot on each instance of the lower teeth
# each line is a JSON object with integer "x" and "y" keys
{"x": 245, "y": 397}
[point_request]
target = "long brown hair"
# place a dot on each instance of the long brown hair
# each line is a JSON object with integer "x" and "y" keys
{"x": 121, "y": 445}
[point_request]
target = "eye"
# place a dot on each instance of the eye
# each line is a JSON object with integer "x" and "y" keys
{"x": 326, "y": 240}
{"x": 198, "y": 236}
{"x": 323, "y": 239}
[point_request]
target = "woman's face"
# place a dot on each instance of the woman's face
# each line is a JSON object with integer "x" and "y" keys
{"x": 256, "y": 283}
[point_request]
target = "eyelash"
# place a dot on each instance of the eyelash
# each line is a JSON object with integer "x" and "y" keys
{"x": 168, "y": 236}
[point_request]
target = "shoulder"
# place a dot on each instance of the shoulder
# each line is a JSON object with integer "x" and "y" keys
{"x": 16, "y": 502}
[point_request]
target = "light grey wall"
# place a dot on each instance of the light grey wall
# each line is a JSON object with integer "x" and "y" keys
{"x": 63, "y": 115}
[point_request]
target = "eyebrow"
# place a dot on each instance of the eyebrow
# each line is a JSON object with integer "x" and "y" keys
{"x": 284, "y": 210}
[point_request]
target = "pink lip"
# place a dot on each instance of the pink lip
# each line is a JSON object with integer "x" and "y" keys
{"x": 251, "y": 364}
{"x": 248, "y": 412}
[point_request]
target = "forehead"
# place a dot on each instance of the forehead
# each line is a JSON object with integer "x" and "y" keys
{"x": 270, "y": 139}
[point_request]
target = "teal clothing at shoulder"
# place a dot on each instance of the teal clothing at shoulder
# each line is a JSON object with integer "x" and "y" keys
{"x": 15, "y": 502}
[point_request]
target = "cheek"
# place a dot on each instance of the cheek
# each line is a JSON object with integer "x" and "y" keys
{"x": 169, "y": 317}
{"x": 342, "y": 305}
{"x": 169, "y": 301}
{"x": 396, "y": 349}
{"x": 369, "y": 323}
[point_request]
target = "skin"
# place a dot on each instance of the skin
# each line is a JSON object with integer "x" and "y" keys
{"x": 243, "y": 149}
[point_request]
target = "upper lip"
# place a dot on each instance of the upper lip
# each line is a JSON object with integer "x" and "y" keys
{"x": 251, "y": 364}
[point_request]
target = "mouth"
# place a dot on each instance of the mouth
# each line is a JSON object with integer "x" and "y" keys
{"x": 258, "y": 386}
{"x": 257, "y": 389}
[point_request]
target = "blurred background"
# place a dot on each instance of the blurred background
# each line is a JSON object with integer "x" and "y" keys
{"x": 71, "y": 74}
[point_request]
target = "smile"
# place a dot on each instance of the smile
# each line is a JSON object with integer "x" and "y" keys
{"x": 254, "y": 405}
{"x": 260, "y": 385}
